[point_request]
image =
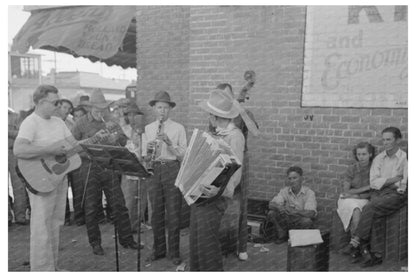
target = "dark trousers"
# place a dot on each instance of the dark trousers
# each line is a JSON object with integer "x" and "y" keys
{"x": 21, "y": 199}
{"x": 101, "y": 180}
{"x": 243, "y": 195}
{"x": 283, "y": 222}
{"x": 204, "y": 240}
{"x": 382, "y": 203}
{"x": 77, "y": 187}
{"x": 165, "y": 196}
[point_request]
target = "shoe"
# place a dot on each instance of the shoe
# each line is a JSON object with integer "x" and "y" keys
{"x": 80, "y": 222}
{"x": 243, "y": 256}
{"x": 132, "y": 245}
{"x": 176, "y": 260}
{"x": 355, "y": 255}
{"x": 154, "y": 257}
{"x": 67, "y": 223}
{"x": 98, "y": 250}
{"x": 347, "y": 250}
{"x": 61, "y": 269}
{"x": 281, "y": 240}
{"x": 370, "y": 259}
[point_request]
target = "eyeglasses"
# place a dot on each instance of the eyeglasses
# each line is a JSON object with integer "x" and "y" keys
{"x": 55, "y": 103}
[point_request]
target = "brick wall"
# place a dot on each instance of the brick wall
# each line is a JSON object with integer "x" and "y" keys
{"x": 163, "y": 57}
{"x": 218, "y": 44}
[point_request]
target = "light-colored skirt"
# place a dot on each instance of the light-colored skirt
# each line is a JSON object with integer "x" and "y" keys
{"x": 346, "y": 208}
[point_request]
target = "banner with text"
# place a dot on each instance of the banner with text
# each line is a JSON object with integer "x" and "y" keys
{"x": 355, "y": 56}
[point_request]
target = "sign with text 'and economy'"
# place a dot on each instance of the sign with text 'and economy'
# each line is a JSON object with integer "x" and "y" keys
{"x": 356, "y": 56}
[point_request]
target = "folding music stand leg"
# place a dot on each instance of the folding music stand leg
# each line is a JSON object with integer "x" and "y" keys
{"x": 120, "y": 159}
{"x": 115, "y": 218}
{"x": 139, "y": 206}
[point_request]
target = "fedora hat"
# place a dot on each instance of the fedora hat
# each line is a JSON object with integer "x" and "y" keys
{"x": 220, "y": 104}
{"x": 97, "y": 99}
{"x": 132, "y": 108}
{"x": 162, "y": 96}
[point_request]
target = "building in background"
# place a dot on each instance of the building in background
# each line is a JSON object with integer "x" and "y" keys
{"x": 24, "y": 76}
{"x": 72, "y": 85}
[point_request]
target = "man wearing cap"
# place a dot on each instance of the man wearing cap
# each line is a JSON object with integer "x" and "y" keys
{"x": 130, "y": 184}
{"x": 97, "y": 180}
{"x": 205, "y": 247}
{"x": 84, "y": 102}
{"x": 168, "y": 138}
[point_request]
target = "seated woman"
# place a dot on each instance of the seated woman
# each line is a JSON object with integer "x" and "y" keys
{"x": 356, "y": 189}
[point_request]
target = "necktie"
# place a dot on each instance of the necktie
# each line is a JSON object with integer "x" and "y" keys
{"x": 159, "y": 143}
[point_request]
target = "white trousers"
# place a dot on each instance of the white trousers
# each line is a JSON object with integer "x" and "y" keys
{"x": 47, "y": 216}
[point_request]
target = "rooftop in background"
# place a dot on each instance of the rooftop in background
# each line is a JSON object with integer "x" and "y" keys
{"x": 85, "y": 80}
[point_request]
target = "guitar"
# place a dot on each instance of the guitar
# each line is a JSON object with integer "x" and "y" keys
{"x": 45, "y": 174}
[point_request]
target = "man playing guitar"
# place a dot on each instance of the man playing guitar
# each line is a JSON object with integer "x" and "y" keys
{"x": 37, "y": 138}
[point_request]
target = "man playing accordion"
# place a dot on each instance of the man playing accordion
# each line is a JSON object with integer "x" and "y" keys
{"x": 205, "y": 248}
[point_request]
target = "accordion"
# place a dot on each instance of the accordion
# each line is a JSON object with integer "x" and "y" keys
{"x": 208, "y": 160}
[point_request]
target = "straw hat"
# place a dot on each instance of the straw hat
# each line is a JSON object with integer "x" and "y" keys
{"x": 220, "y": 104}
{"x": 162, "y": 96}
{"x": 97, "y": 99}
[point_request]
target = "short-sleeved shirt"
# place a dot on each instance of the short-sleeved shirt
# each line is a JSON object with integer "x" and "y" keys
{"x": 43, "y": 132}
{"x": 358, "y": 176}
{"x": 304, "y": 200}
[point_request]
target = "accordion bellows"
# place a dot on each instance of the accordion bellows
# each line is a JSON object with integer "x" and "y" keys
{"x": 206, "y": 158}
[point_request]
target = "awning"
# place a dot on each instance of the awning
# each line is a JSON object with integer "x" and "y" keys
{"x": 99, "y": 33}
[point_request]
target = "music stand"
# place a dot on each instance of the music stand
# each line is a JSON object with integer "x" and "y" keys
{"x": 118, "y": 160}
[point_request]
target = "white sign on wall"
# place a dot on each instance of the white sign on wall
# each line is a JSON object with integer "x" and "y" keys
{"x": 356, "y": 56}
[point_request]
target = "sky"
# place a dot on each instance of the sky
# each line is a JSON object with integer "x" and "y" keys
{"x": 64, "y": 62}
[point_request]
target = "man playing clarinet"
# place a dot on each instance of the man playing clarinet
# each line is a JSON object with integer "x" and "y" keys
{"x": 164, "y": 145}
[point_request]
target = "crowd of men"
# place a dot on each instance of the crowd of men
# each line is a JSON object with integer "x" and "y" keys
{"x": 376, "y": 186}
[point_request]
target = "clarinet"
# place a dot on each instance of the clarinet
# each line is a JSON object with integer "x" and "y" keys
{"x": 152, "y": 151}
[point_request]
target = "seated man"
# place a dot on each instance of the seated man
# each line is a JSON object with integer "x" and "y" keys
{"x": 388, "y": 183}
{"x": 294, "y": 207}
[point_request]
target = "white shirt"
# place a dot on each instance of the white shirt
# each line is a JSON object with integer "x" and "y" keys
{"x": 43, "y": 132}
{"x": 385, "y": 167}
{"x": 175, "y": 132}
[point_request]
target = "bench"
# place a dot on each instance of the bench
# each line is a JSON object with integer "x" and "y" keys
{"x": 390, "y": 233}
